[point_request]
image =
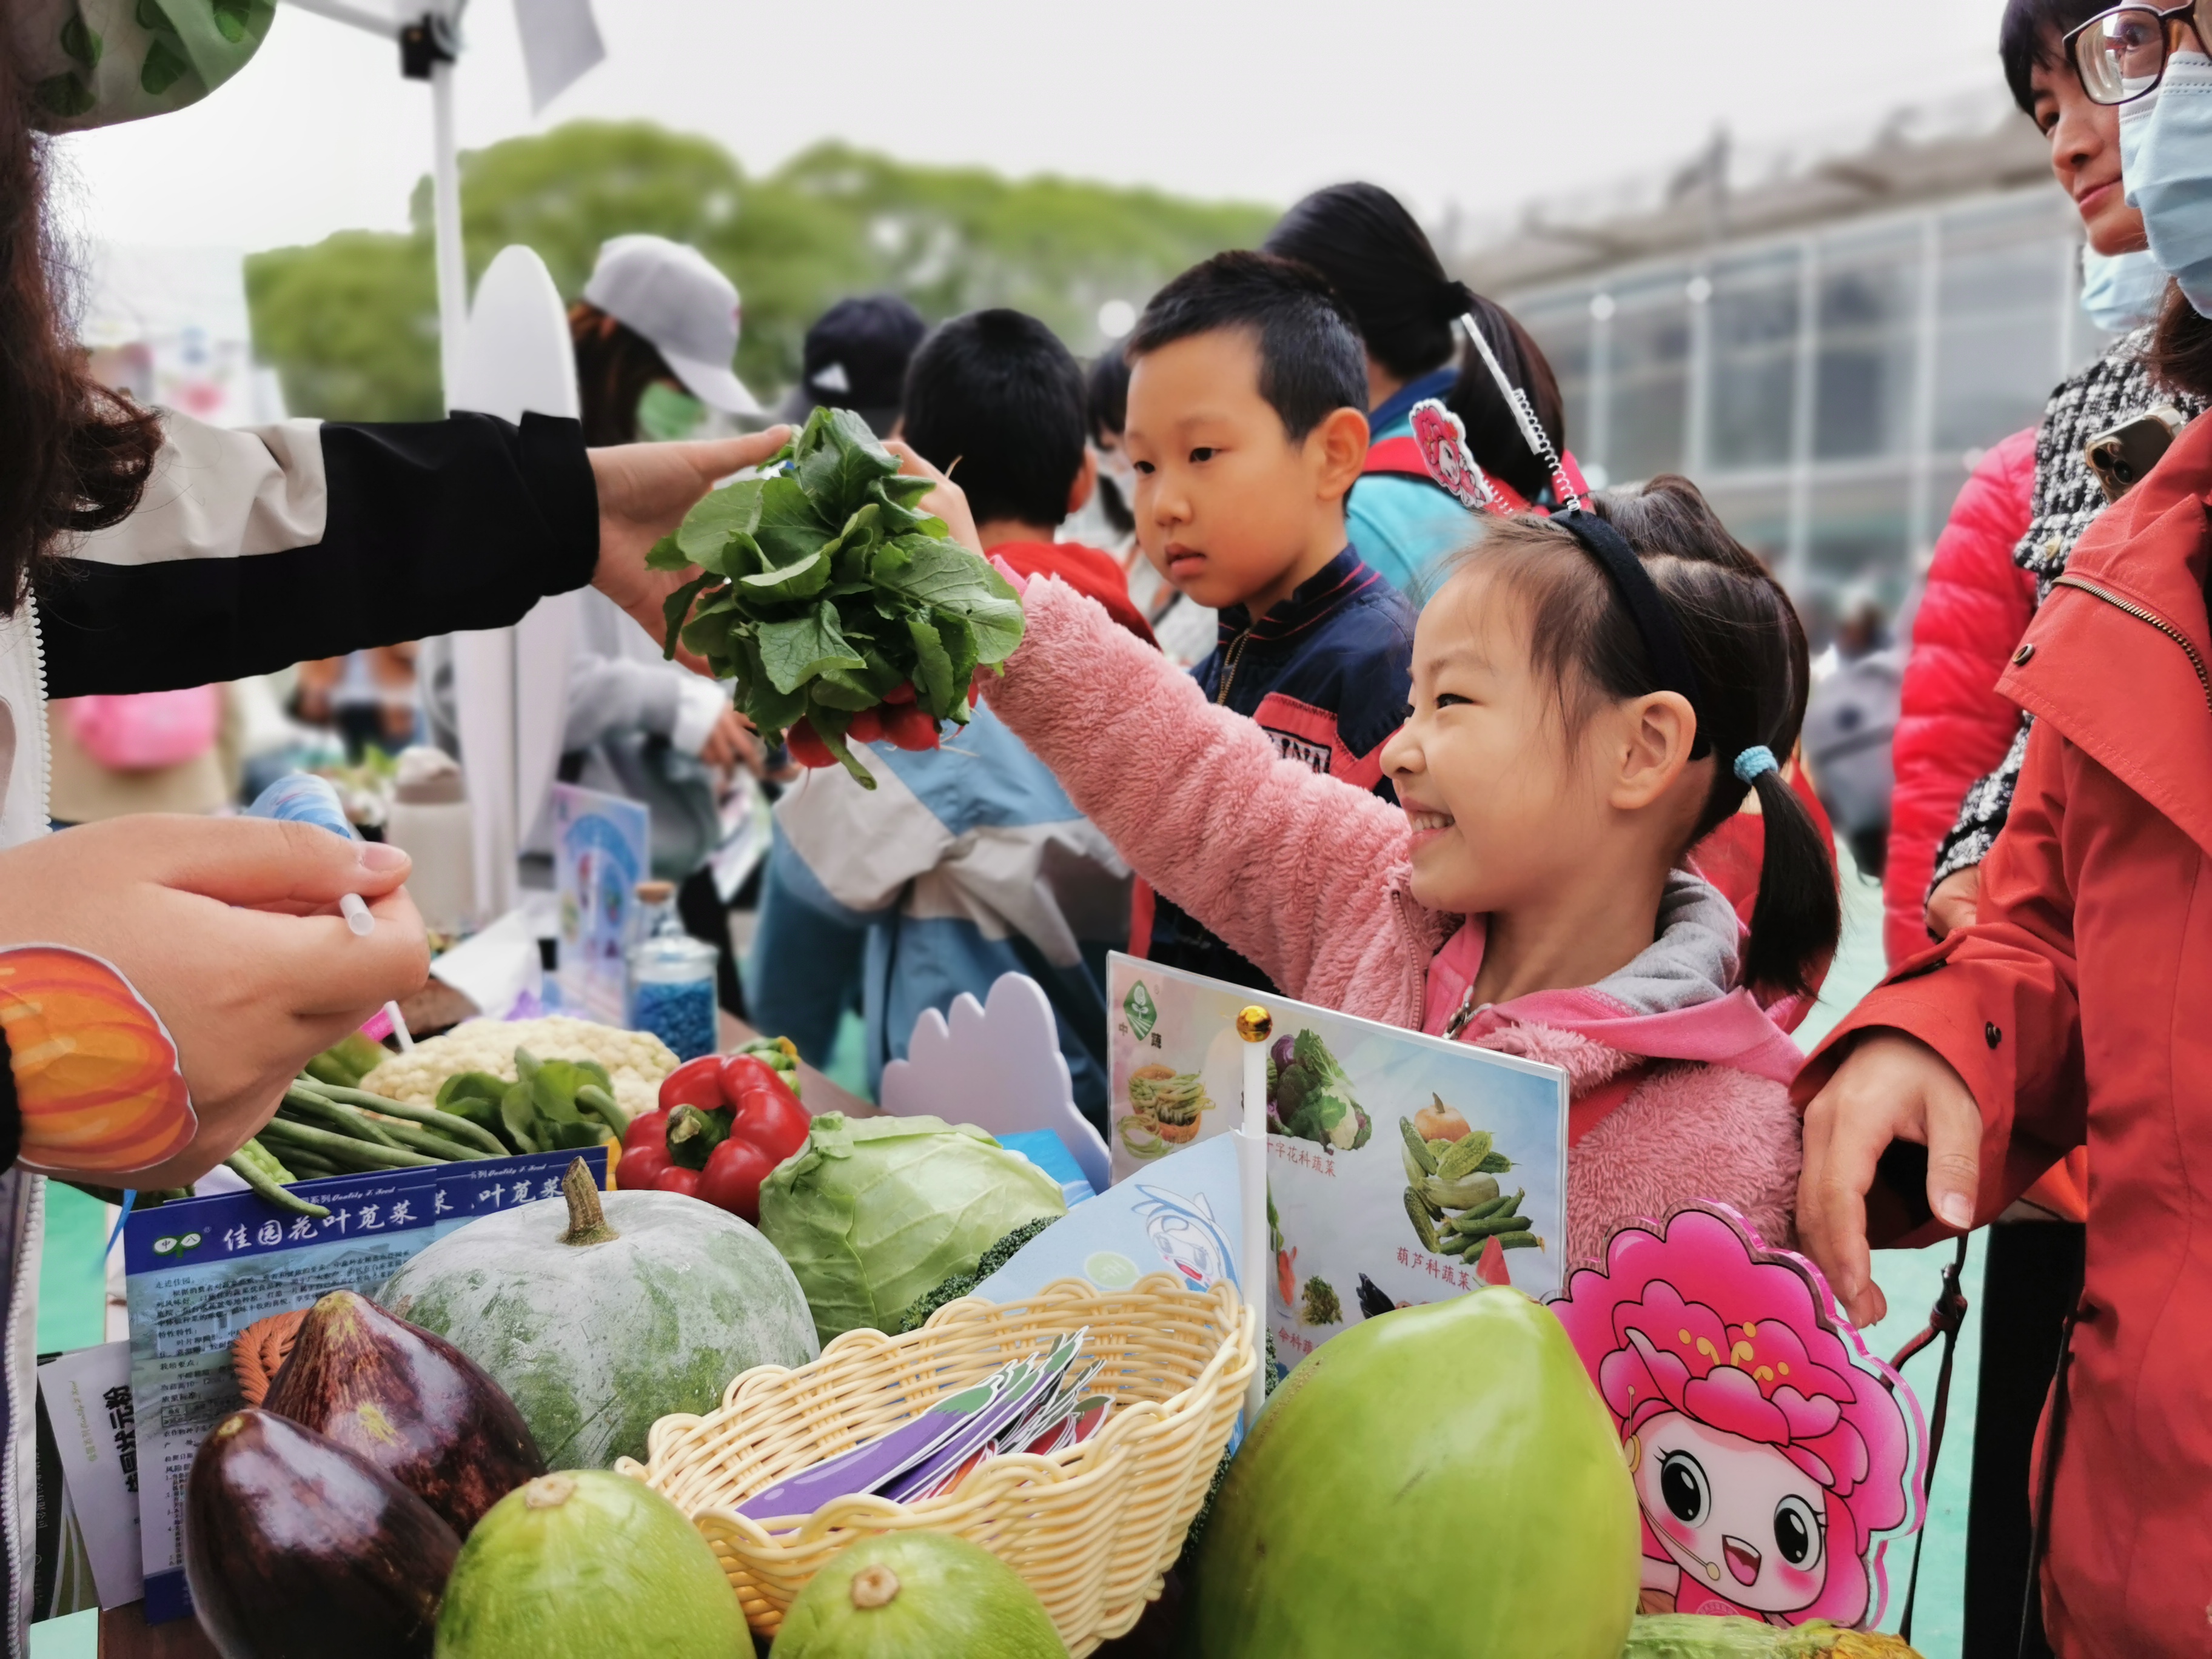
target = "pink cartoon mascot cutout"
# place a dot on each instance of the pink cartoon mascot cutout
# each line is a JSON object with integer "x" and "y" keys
{"x": 1774, "y": 1458}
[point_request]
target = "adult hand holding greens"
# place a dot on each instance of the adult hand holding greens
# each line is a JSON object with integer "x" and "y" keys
{"x": 841, "y": 609}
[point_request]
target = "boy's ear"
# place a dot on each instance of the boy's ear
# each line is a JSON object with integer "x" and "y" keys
{"x": 1086, "y": 481}
{"x": 1338, "y": 444}
{"x": 1656, "y": 733}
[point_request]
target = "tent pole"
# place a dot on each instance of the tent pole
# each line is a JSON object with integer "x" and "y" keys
{"x": 445, "y": 225}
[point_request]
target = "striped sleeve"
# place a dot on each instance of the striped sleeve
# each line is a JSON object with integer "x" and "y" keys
{"x": 260, "y": 547}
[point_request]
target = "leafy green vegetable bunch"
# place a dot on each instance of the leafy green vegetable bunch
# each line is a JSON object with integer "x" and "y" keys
{"x": 1310, "y": 1097}
{"x": 825, "y": 593}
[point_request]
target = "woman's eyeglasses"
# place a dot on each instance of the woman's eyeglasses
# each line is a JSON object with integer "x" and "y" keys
{"x": 2120, "y": 55}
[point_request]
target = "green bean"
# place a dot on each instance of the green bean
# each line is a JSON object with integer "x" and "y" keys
{"x": 1500, "y": 1206}
{"x": 300, "y": 1107}
{"x": 259, "y": 1179}
{"x": 448, "y": 1124}
{"x": 1520, "y": 1242}
{"x": 428, "y": 1143}
{"x": 1489, "y": 1225}
{"x": 343, "y": 1149}
{"x": 305, "y": 1166}
{"x": 602, "y": 1103}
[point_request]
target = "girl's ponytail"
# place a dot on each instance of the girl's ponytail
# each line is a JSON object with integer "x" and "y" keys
{"x": 1798, "y": 918}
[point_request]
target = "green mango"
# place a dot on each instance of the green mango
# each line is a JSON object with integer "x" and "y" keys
{"x": 1343, "y": 1526}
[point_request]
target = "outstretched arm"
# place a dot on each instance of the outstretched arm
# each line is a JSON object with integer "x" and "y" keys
{"x": 1273, "y": 857}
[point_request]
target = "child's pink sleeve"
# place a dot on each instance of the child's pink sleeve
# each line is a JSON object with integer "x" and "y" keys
{"x": 1275, "y": 858}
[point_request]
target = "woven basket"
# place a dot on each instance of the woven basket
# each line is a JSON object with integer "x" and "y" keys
{"x": 1091, "y": 1529}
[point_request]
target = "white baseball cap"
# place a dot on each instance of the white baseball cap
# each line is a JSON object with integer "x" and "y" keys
{"x": 687, "y": 309}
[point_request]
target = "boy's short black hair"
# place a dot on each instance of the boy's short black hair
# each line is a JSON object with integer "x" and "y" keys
{"x": 997, "y": 392}
{"x": 2027, "y": 40}
{"x": 1312, "y": 362}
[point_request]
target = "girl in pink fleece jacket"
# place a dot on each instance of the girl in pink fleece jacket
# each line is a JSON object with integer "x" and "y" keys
{"x": 1592, "y": 695}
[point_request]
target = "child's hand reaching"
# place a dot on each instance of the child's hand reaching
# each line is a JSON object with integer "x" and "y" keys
{"x": 947, "y": 501}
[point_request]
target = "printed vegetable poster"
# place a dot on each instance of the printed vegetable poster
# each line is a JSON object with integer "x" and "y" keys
{"x": 601, "y": 845}
{"x": 199, "y": 1271}
{"x": 1395, "y": 1161}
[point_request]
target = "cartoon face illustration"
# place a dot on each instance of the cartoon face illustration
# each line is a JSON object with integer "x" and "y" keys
{"x": 1184, "y": 1232}
{"x": 1774, "y": 1458}
{"x": 1442, "y": 440}
{"x": 1737, "y": 1517}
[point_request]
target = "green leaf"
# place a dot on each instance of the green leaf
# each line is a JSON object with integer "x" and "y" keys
{"x": 795, "y": 650}
{"x": 897, "y": 505}
{"x": 767, "y": 707}
{"x": 801, "y": 579}
{"x": 998, "y": 628}
{"x": 830, "y": 725}
{"x": 838, "y": 472}
{"x": 934, "y": 684}
{"x": 674, "y": 608}
{"x": 665, "y": 555}
{"x": 789, "y": 527}
{"x": 718, "y": 516}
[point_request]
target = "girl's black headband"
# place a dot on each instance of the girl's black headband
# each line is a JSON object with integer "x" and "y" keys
{"x": 1647, "y": 607}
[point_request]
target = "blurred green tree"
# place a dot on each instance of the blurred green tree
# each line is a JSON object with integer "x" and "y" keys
{"x": 351, "y": 322}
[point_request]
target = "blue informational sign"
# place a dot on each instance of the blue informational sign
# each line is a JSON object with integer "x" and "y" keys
{"x": 198, "y": 1271}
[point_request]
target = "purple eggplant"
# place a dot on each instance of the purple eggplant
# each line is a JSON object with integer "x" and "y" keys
{"x": 294, "y": 1547}
{"x": 409, "y": 1401}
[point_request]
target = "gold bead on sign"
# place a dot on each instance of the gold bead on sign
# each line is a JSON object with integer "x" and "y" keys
{"x": 1256, "y": 1025}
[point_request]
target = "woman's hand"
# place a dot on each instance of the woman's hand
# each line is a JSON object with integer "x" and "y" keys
{"x": 645, "y": 490}
{"x": 227, "y": 928}
{"x": 1954, "y": 901}
{"x": 1890, "y": 1087}
{"x": 947, "y": 501}
{"x": 733, "y": 744}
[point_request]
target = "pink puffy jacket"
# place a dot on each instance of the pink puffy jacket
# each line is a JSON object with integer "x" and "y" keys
{"x": 1309, "y": 879}
{"x": 1953, "y": 727}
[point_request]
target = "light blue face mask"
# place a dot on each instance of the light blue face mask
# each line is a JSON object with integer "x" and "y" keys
{"x": 2165, "y": 157}
{"x": 2121, "y": 291}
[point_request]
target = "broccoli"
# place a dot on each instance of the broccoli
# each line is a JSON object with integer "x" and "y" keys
{"x": 960, "y": 1284}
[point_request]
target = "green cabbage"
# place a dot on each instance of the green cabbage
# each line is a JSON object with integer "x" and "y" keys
{"x": 874, "y": 1212}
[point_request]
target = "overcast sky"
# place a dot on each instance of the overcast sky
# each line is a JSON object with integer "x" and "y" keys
{"x": 1476, "y": 103}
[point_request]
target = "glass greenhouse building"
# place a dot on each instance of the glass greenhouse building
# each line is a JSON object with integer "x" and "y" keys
{"x": 1830, "y": 367}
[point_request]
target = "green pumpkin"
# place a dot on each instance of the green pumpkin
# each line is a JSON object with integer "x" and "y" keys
{"x": 599, "y": 1316}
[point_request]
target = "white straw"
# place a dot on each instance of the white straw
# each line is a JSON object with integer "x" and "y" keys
{"x": 399, "y": 1028}
{"x": 356, "y": 914}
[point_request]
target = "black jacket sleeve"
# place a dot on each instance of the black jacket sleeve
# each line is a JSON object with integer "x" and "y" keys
{"x": 431, "y": 528}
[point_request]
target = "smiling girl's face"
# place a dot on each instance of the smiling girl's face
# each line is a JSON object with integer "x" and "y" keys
{"x": 1738, "y": 1518}
{"x": 1509, "y": 796}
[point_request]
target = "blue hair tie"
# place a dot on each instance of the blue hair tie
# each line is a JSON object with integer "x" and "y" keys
{"x": 1754, "y": 761}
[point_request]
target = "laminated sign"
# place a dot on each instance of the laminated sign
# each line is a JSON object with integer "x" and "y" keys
{"x": 196, "y": 1272}
{"x": 1401, "y": 1168}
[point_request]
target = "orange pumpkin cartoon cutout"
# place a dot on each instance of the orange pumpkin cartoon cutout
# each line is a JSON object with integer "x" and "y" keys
{"x": 96, "y": 1077}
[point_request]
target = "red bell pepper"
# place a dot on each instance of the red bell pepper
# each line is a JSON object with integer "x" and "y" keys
{"x": 677, "y": 1179}
{"x": 724, "y": 1122}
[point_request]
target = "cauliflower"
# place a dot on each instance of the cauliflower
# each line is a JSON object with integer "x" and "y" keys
{"x": 636, "y": 1061}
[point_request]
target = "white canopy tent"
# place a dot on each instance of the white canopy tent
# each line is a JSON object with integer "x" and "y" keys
{"x": 506, "y": 356}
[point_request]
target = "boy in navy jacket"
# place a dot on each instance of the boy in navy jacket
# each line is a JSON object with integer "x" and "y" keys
{"x": 1246, "y": 427}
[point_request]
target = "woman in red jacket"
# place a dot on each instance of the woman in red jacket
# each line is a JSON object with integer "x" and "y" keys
{"x": 1953, "y": 727}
